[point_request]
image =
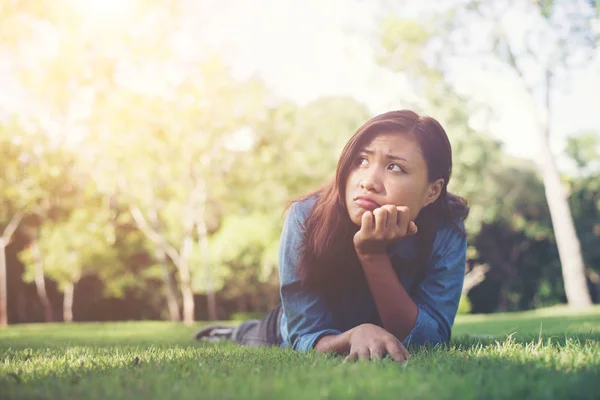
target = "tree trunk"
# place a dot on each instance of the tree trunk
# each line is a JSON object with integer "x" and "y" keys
{"x": 171, "y": 290}
{"x": 40, "y": 283}
{"x": 185, "y": 280}
{"x": 179, "y": 259}
{"x": 68, "y": 302}
{"x": 203, "y": 243}
{"x": 241, "y": 303}
{"x": 569, "y": 248}
{"x": 474, "y": 277}
{"x": 3, "y": 286}
{"x": 4, "y": 240}
{"x": 21, "y": 307}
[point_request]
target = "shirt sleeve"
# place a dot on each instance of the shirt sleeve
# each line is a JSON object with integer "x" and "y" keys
{"x": 439, "y": 294}
{"x": 307, "y": 314}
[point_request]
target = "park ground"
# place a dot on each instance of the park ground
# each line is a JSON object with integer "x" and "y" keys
{"x": 543, "y": 354}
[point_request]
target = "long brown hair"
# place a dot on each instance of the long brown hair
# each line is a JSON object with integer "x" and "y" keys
{"x": 327, "y": 259}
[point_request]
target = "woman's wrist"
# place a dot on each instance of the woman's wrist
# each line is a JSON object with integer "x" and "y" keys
{"x": 339, "y": 344}
{"x": 372, "y": 258}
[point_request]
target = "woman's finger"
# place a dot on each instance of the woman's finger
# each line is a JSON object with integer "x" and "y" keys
{"x": 352, "y": 357}
{"x": 364, "y": 354}
{"x": 395, "y": 352}
{"x": 391, "y": 220}
{"x": 403, "y": 219}
{"x": 378, "y": 353}
{"x": 367, "y": 223}
{"x": 380, "y": 219}
{"x": 412, "y": 228}
{"x": 403, "y": 350}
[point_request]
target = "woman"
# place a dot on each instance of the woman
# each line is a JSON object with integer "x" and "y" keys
{"x": 374, "y": 261}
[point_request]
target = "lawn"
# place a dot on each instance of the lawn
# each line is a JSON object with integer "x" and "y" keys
{"x": 550, "y": 353}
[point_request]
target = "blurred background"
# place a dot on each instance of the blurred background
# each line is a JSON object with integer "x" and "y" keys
{"x": 148, "y": 148}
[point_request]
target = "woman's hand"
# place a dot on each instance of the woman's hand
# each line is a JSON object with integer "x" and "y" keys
{"x": 381, "y": 227}
{"x": 371, "y": 342}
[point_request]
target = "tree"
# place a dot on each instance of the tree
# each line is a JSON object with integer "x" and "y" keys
{"x": 246, "y": 248}
{"x": 79, "y": 245}
{"x": 25, "y": 185}
{"x": 518, "y": 243}
{"x": 557, "y": 34}
{"x": 189, "y": 141}
{"x": 31, "y": 181}
{"x": 12, "y": 210}
{"x": 151, "y": 93}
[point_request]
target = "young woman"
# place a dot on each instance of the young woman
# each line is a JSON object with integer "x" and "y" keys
{"x": 374, "y": 261}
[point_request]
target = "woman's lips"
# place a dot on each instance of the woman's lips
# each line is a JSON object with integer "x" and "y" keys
{"x": 366, "y": 204}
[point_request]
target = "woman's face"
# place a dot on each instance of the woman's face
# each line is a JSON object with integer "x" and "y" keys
{"x": 390, "y": 169}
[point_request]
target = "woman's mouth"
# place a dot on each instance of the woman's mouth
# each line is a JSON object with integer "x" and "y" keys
{"x": 366, "y": 203}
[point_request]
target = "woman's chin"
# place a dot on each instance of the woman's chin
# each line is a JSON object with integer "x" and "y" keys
{"x": 356, "y": 216}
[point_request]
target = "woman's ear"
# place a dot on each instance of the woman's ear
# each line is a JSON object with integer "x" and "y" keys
{"x": 433, "y": 191}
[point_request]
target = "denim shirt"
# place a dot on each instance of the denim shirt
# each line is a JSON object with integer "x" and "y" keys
{"x": 307, "y": 316}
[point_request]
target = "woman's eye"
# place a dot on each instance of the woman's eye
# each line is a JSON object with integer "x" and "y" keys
{"x": 396, "y": 168}
{"x": 362, "y": 161}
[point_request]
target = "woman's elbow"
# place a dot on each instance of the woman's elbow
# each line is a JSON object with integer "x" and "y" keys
{"x": 429, "y": 338}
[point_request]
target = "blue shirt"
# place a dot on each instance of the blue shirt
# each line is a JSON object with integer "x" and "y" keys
{"x": 307, "y": 316}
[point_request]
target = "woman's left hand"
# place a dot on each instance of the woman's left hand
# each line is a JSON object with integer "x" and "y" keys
{"x": 381, "y": 227}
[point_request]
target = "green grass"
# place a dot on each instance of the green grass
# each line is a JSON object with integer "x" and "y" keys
{"x": 141, "y": 360}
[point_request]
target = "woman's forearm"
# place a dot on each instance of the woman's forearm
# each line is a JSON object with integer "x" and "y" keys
{"x": 397, "y": 310}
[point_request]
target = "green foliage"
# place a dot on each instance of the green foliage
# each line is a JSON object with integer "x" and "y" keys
{"x": 296, "y": 149}
{"x": 584, "y": 150}
{"x": 83, "y": 243}
{"x": 36, "y": 174}
{"x": 464, "y": 307}
{"x": 247, "y": 240}
{"x": 403, "y": 40}
{"x": 546, "y": 7}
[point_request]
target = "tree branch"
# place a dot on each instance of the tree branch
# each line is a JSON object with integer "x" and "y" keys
{"x": 153, "y": 235}
{"x": 548, "y": 102}
{"x": 512, "y": 59}
{"x": 474, "y": 277}
{"x": 11, "y": 227}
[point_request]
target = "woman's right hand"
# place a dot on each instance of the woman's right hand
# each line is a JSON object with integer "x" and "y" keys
{"x": 371, "y": 342}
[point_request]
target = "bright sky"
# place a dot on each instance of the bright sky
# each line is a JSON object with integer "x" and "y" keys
{"x": 306, "y": 49}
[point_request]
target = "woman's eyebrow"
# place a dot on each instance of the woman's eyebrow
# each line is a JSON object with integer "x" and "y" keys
{"x": 390, "y": 156}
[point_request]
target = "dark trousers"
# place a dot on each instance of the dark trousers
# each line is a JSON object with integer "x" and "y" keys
{"x": 264, "y": 332}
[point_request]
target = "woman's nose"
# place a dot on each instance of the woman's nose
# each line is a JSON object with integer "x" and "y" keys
{"x": 371, "y": 182}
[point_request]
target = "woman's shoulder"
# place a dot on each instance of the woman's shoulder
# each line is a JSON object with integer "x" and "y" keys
{"x": 450, "y": 237}
{"x": 301, "y": 208}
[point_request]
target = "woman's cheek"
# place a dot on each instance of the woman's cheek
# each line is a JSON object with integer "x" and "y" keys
{"x": 414, "y": 213}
